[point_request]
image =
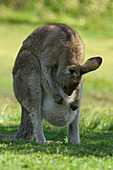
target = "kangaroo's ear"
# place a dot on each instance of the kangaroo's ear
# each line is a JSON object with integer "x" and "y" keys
{"x": 90, "y": 65}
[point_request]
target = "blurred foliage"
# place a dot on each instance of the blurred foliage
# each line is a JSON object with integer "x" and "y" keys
{"x": 72, "y": 6}
{"x": 86, "y": 14}
{"x": 17, "y": 4}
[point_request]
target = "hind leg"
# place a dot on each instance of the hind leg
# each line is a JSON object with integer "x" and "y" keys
{"x": 27, "y": 88}
{"x": 25, "y": 131}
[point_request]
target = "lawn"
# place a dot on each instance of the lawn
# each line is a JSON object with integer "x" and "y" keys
{"x": 96, "y": 119}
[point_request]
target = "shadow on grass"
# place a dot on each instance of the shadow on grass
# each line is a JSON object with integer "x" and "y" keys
{"x": 8, "y": 130}
{"x": 93, "y": 143}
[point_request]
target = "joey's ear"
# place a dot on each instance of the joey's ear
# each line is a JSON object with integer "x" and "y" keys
{"x": 90, "y": 65}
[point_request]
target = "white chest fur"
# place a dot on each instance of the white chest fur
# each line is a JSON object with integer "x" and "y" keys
{"x": 55, "y": 114}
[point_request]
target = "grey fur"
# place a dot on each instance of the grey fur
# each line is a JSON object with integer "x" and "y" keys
{"x": 48, "y": 81}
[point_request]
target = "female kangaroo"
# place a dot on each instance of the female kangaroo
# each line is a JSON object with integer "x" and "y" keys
{"x": 47, "y": 78}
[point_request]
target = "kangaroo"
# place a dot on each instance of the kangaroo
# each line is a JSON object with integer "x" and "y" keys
{"x": 47, "y": 80}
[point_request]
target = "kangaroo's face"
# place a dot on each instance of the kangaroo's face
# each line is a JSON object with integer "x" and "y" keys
{"x": 69, "y": 78}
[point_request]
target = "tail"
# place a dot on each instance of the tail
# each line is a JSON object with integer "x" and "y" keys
{"x": 25, "y": 131}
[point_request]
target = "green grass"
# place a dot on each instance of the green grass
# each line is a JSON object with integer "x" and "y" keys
{"x": 96, "y": 119}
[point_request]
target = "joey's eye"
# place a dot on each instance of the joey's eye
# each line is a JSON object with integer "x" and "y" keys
{"x": 73, "y": 71}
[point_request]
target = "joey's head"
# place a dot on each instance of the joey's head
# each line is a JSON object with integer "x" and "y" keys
{"x": 70, "y": 77}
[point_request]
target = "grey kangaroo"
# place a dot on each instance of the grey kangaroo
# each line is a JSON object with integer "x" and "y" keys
{"x": 48, "y": 81}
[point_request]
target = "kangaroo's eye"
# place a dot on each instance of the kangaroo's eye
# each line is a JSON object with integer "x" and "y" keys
{"x": 73, "y": 71}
